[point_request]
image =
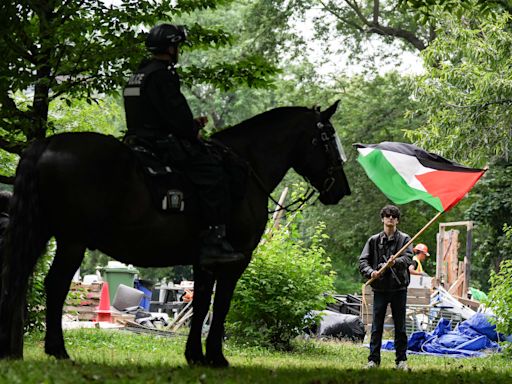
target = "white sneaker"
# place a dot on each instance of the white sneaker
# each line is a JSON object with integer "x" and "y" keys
{"x": 402, "y": 366}
{"x": 372, "y": 364}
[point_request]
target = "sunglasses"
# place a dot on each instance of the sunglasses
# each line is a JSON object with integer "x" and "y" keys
{"x": 391, "y": 216}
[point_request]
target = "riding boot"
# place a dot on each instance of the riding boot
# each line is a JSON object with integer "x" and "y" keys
{"x": 215, "y": 249}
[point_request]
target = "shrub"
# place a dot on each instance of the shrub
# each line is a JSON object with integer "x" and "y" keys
{"x": 36, "y": 296}
{"x": 284, "y": 282}
{"x": 500, "y": 297}
{"x": 500, "y": 294}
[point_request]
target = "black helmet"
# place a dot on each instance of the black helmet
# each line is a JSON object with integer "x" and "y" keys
{"x": 162, "y": 36}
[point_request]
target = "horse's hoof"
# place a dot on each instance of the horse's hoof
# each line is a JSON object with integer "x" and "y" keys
{"x": 195, "y": 360}
{"x": 10, "y": 356}
{"x": 217, "y": 362}
{"x": 59, "y": 354}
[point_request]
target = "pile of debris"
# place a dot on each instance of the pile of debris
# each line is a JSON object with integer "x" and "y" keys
{"x": 89, "y": 305}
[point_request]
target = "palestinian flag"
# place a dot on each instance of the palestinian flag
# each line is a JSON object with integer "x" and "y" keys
{"x": 404, "y": 173}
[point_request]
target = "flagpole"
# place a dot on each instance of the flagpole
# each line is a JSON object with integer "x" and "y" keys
{"x": 392, "y": 258}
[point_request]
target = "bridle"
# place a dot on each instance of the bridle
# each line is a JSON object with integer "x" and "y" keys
{"x": 328, "y": 139}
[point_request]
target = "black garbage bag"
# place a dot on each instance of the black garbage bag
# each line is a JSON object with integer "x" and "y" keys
{"x": 339, "y": 326}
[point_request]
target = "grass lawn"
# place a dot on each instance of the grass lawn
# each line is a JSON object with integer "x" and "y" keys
{"x": 117, "y": 356}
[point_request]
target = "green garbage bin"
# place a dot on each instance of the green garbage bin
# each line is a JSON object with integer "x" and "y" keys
{"x": 116, "y": 273}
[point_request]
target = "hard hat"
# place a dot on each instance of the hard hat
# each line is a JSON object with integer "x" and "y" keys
{"x": 421, "y": 248}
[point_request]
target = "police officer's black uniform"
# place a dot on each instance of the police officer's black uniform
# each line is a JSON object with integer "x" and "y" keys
{"x": 158, "y": 113}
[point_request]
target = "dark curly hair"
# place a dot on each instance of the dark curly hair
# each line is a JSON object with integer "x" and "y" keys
{"x": 390, "y": 210}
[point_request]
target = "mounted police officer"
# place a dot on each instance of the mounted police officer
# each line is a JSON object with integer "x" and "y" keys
{"x": 158, "y": 115}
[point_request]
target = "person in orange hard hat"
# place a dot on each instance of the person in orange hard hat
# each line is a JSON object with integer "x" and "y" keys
{"x": 420, "y": 255}
{"x": 188, "y": 296}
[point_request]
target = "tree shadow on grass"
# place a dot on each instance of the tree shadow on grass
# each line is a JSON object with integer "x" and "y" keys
{"x": 53, "y": 371}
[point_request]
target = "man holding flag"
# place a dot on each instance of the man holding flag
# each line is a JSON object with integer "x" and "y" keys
{"x": 405, "y": 172}
{"x": 389, "y": 287}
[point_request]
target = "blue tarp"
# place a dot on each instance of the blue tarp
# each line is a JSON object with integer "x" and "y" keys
{"x": 468, "y": 339}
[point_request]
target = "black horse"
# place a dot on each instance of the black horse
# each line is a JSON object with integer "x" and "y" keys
{"x": 87, "y": 191}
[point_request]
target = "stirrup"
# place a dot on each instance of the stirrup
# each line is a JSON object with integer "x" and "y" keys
{"x": 173, "y": 201}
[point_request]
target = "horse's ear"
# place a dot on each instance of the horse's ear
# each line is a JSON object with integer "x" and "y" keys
{"x": 327, "y": 114}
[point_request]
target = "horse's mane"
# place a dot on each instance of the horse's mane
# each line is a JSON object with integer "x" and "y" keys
{"x": 263, "y": 120}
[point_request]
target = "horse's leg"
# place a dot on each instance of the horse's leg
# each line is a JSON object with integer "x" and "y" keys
{"x": 12, "y": 319}
{"x": 203, "y": 289}
{"x": 13, "y": 301}
{"x": 223, "y": 294}
{"x": 67, "y": 260}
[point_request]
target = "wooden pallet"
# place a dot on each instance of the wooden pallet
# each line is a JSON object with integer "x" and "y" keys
{"x": 82, "y": 300}
{"x": 418, "y": 303}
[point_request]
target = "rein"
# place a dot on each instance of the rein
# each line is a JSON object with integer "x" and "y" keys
{"x": 301, "y": 200}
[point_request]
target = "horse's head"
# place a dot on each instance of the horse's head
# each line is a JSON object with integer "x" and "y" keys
{"x": 321, "y": 158}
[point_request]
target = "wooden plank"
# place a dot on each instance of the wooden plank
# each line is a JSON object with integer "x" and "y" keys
{"x": 456, "y": 224}
{"x": 455, "y": 286}
{"x": 416, "y": 296}
{"x": 473, "y": 304}
{"x": 93, "y": 295}
{"x": 467, "y": 259}
{"x": 451, "y": 257}
{"x": 94, "y": 287}
{"x": 410, "y": 291}
{"x": 418, "y": 291}
{"x": 439, "y": 253}
{"x": 418, "y": 300}
{"x": 79, "y": 309}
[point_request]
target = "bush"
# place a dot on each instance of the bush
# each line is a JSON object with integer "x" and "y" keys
{"x": 36, "y": 295}
{"x": 284, "y": 282}
{"x": 500, "y": 294}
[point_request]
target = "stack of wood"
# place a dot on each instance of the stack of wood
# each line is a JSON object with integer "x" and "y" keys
{"x": 418, "y": 303}
{"x": 452, "y": 273}
{"x": 82, "y": 301}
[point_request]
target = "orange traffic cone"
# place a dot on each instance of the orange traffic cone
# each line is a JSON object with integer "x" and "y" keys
{"x": 103, "y": 310}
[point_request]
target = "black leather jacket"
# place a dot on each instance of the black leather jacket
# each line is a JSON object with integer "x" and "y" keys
{"x": 377, "y": 250}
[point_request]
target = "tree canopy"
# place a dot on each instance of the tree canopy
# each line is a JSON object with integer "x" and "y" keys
{"x": 466, "y": 91}
{"x": 63, "y": 49}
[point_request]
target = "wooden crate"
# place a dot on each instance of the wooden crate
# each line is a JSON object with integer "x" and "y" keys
{"x": 82, "y": 300}
{"x": 418, "y": 303}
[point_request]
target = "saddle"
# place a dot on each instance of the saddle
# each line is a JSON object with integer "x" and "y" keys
{"x": 169, "y": 184}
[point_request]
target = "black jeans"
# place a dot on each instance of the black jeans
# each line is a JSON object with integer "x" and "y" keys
{"x": 398, "y": 301}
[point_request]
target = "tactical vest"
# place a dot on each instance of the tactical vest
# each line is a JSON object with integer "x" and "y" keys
{"x": 136, "y": 120}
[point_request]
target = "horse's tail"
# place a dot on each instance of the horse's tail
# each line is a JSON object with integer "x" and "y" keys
{"x": 25, "y": 241}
